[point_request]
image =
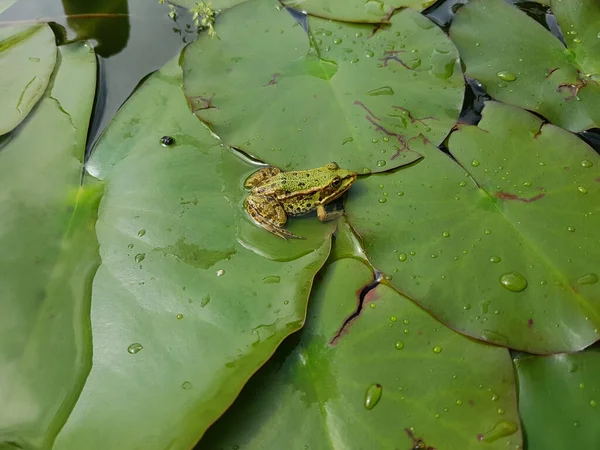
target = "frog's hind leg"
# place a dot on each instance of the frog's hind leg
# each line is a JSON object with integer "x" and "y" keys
{"x": 260, "y": 176}
{"x": 269, "y": 214}
{"x": 326, "y": 216}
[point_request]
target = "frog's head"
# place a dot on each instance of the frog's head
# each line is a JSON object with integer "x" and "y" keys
{"x": 336, "y": 181}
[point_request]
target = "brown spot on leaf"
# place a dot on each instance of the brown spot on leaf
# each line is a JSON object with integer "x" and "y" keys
{"x": 508, "y": 196}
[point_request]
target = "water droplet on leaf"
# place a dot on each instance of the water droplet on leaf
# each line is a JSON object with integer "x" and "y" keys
{"x": 588, "y": 278}
{"x": 139, "y": 257}
{"x": 373, "y": 395}
{"x": 513, "y": 281}
{"x": 506, "y": 76}
{"x": 135, "y": 348}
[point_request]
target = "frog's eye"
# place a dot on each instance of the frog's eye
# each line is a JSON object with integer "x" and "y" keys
{"x": 335, "y": 182}
{"x": 333, "y": 166}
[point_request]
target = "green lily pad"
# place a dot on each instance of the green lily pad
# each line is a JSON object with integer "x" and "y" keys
{"x": 384, "y": 378}
{"x": 216, "y": 4}
{"x": 189, "y": 300}
{"x": 5, "y": 4}
{"x": 518, "y": 61}
{"x": 372, "y": 11}
{"x": 559, "y": 399}
{"x": 49, "y": 258}
{"x": 355, "y": 98}
{"x": 27, "y": 58}
{"x": 507, "y": 255}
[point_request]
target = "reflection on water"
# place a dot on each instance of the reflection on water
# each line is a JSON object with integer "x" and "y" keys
{"x": 132, "y": 38}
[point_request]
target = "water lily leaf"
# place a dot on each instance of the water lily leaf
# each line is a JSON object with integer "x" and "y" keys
{"x": 530, "y": 68}
{"x": 49, "y": 258}
{"x": 369, "y": 384}
{"x": 358, "y": 98}
{"x": 27, "y": 58}
{"x": 558, "y": 399}
{"x": 5, "y": 4}
{"x": 507, "y": 255}
{"x": 373, "y": 11}
{"x": 187, "y": 303}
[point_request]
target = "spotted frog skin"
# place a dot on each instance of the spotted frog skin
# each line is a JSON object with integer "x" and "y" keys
{"x": 277, "y": 195}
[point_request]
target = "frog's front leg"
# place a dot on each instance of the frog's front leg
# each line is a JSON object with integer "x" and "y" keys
{"x": 269, "y": 214}
{"x": 325, "y": 216}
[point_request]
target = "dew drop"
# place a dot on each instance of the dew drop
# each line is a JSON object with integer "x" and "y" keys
{"x": 588, "y": 278}
{"x": 475, "y": 163}
{"x": 373, "y": 395}
{"x": 354, "y": 60}
{"x": 179, "y": 316}
{"x": 347, "y": 140}
{"x": 337, "y": 41}
{"x": 501, "y": 429}
{"x": 437, "y": 349}
{"x": 400, "y": 194}
{"x": 369, "y": 53}
{"x": 527, "y": 183}
{"x": 130, "y": 246}
{"x": 186, "y": 385}
{"x": 406, "y": 321}
{"x": 382, "y": 200}
{"x": 205, "y": 301}
{"x": 446, "y": 234}
{"x": 506, "y": 76}
{"x": 459, "y": 402}
{"x": 385, "y": 90}
{"x": 142, "y": 232}
{"x": 462, "y": 183}
{"x": 402, "y": 257}
{"x": 488, "y": 232}
{"x": 571, "y": 229}
{"x": 500, "y": 411}
{"x": 271, "y": 279}
{"x": 495, "y": 259}
{"x": 139, "y": 257}
{"x": 399, "y": 345}
{"x": 585, "y": 163}
{"x": 381, "y": 163}
{"x": 513, "y": 281}
{"x": 220, "y": 272}
{"x": 593, "y": 403}
{"x": 577, "y": 40}
{"x": 135, "y": 348}
{"x": 582, "y": 189}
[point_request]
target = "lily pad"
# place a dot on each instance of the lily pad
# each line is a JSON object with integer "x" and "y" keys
{"x": 27, "y": 58}
{"x": 187, "y": 303}
{"x": 372, "y": 11}
{"x": 558, "y": 399}
{"x": 502, "y": 248}
{"x": 385, "y": 376}
{"x": 520, "y": 62}
{"x": 49, "y": 258}
{"x": 216, "y": 4}
{"x": 359, "y": 96}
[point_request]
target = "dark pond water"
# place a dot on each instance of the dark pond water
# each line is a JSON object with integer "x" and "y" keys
{"x": 133, "y": 38}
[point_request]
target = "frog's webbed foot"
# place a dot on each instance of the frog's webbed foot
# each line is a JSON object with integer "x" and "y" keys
{"x": 326, "y": 216}
{"x": 270, "y": 215}
{"x": 261, "y": 175}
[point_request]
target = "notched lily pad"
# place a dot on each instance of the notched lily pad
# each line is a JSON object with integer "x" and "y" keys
{"x": 502, "y": 248}
{"x": 27, "y": 58}
{"x": 370, "y": 11}
{"x": 359, "y": 96}
{"x": 364, "y": 379}
{"x": 191, "y": 297}
{"x": 519, "y": 62}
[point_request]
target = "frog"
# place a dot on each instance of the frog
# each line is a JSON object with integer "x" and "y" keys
{"x": 276, "y": 195}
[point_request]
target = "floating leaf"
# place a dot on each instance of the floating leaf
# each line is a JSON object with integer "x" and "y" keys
{"x": 519, "y": 62}
{"x": 185, "y": 306}
{"x": 370, "y": 11}
{"x": 49, "y": 257}
{"x": 27, "y": 58}
{"x": 387, "y": 377}
{"x": 358, "y": 98}
{"x": 559, "y": 399}
{"x": 507, "y": 255}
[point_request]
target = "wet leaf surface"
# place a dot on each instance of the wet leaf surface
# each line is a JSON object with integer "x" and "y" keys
{"x": 507, "y": 255}
{"x": 262, "y": 89}
{"x": 558, "y": 399}
{"x": 27, "y": 58}
{"x": 520, "y": 62}
{"x": 49, "y": 257}
{"x": 372, "y": 11}
{"x": 191, "y": 297}
{"x": 392, "y": 377}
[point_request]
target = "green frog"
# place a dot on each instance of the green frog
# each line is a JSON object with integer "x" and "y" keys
{"x": 277, "y": 195}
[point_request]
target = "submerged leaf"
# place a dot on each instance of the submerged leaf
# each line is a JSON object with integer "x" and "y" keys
{"x": 191, "y": 297}
{"x": 49, "y": 258}
{"x": 503, "y": 248}
{"x": 358, "y": 96}
{"x": 27, "y": 58}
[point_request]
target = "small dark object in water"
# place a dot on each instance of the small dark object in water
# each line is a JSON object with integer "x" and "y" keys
{"x": 167, "y": 140}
